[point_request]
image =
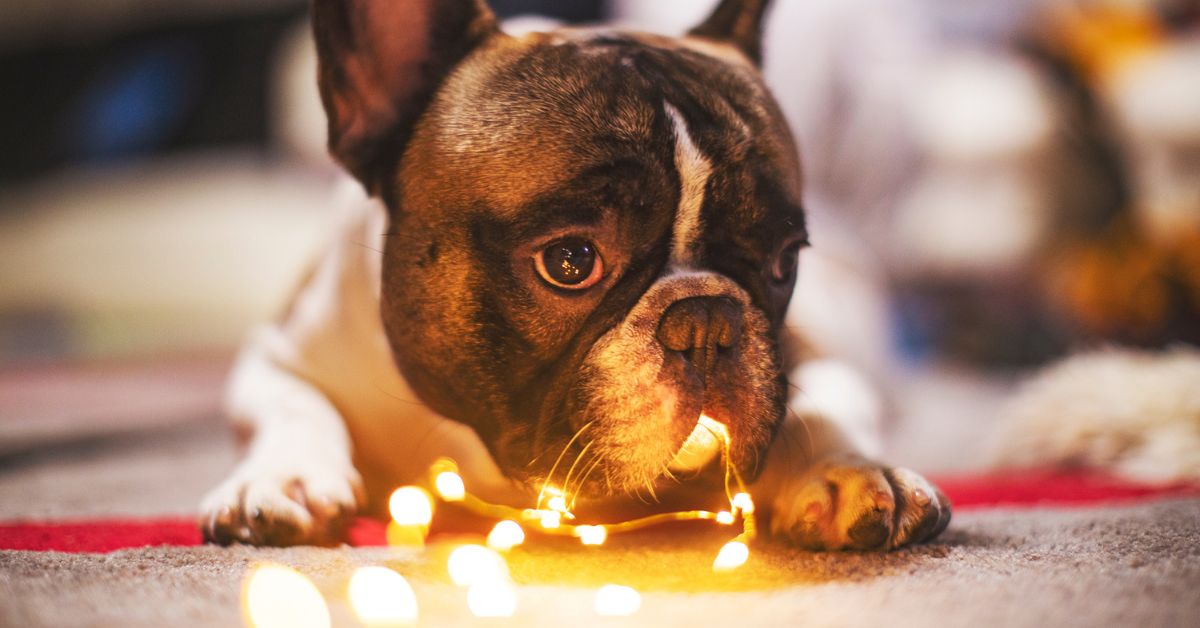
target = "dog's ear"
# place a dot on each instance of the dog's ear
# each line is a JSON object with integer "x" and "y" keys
{"x": 736, "y": 22}
{"x": 379, "y": 63}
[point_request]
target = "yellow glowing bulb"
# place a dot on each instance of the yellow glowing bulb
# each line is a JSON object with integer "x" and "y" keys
{"x": 714, "y": 425}
{"x": 701, "y": 446}
{"x": 557, "y": 503}
{"x": 551, "y": 520}
{"x": 411, "y": 506}
{"x": 725, "y": 517}
{"x": 742, "y": 502}
{"x": 506, "y": 535}
{"x": 731, "y": 556}
{"x": 614, "y": 600}
{"x": 492, "y": 599}
{"x": 382, "y": 597}
{"x": 278, "y": 596}
{"x": 450, "y": 486}
{"x": 591, "y": 535}
{"x": 474, "y": 564}
{"x": 405, "y": 536}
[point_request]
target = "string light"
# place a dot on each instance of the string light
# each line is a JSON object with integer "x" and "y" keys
{"x": 281, "y": 597}
{"x": 614, "y": 600}
{"x": 552, "y": 511}
{"x": 411, "y": 506}
{"x": 473, "y": 564}
{"x": 591, "y": 535}
{"x": 743, "y": 503}
{"x": 450, "y": 486}
{"x": 506, "y": 535}
{"x": 382, "y": 597}
{"x": 551, "y": 519}
{"x": 731, "y": 556}
{"x": 278, "y": 596}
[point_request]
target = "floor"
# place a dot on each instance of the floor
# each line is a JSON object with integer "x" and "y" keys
{"x": 1130, "y": 565}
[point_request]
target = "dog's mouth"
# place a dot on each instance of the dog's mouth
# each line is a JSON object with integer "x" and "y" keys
{"x": 642, "y": 412}
{"x": 709, "y": 451}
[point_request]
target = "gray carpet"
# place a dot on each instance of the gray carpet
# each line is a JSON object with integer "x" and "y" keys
{"x": 1135, "y": 566}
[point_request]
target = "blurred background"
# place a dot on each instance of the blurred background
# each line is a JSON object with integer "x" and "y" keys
{"x": 1014, "y": 179}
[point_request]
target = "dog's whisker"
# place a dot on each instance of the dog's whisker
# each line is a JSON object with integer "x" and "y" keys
{"x": 592, "y": 466}
{"x": 561, "y": 455}
{"x": 574, "y": 465}
{"x": 414, "y": 402}
{"x": 667, "y": 472}
{"x": 367, "y": 247}
{"x": 650, "y": 489}
{"x": 805, "y": 448}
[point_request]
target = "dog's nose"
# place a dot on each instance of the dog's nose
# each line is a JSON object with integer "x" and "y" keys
{"x": 701, "y": 329}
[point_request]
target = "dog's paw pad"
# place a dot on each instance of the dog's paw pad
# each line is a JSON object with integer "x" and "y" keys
{"x": 859, "y": 506}
{"x": 281, "y": 509}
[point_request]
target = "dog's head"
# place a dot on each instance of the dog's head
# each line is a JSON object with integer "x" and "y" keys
{"x": 593, "y": 234}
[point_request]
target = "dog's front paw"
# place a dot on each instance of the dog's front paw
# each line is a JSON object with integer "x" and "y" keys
{"x": 850, "y": 503}
{"x": 260, "y": 505}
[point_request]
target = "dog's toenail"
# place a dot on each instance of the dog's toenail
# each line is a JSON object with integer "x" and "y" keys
{"x": 920, "y": 497}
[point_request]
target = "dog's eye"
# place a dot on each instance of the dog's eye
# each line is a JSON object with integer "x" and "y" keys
{"x": 784, "y": 269}
{"x": 570, "y": 263}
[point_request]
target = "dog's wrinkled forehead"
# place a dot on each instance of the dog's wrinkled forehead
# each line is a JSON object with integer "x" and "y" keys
{"x": 526, "y": 115}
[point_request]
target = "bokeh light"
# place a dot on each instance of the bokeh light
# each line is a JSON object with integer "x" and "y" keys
{"x": 276, "y": 596}
{"x": 473, "y": 564}
{"x": 505, "y": 535}
{"x": 382, "y": 597}
{"x": 411, "y": 506}
{"x": 450, "y": 486}
{"x": 614, "y": 600}
{"x": 492, "y": 599}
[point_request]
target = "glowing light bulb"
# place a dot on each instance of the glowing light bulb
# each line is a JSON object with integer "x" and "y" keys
{"x": 551, "y": 520}
{"x": 725, "y": 517}
{"x": 731, "y": 556}
{"x": 278, "y": 596}
{"x": 382, "y": 597}
{"x": 405, "y": 536}
{"x": 450, "y": 486}
{"x": 474, "y": 564}
{"x": 506, "y": 535}
{"x": 557, "y": 503}
{"x": 742, "y": 502}
{"x": 411, "y": 506}
{"x": 614, "y": 600}
{"x": 492, "y": 599}
{"x": 701, "y": 446}
{"x": 591, "y": 535}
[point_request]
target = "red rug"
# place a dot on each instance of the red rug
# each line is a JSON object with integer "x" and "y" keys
{"x": 1024, "y": 489}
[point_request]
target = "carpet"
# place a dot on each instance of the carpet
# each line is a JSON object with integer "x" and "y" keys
{"x": 1128, "y": 565}
{"x": 1033, "y": 550}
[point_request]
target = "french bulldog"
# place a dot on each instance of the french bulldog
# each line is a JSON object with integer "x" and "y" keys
{"x": 567, "y": 248}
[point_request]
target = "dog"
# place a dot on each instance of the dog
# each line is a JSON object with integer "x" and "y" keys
{"x": 570, "y": 245}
